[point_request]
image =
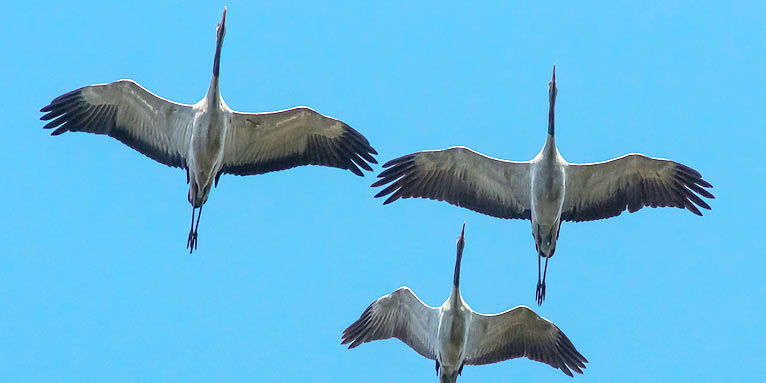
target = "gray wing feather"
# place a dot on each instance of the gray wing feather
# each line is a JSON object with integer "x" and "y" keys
{"x": 265, "y": 142}
{"x": 152, "y": 125}
{"x": 606, "y": 189}
{"x": 401, "y": 315}
{"x": 520, "y": 332}
{"x": 462, "y": 177}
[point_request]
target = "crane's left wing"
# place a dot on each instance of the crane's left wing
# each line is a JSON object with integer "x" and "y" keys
{"x": 520, "y": 332}
{"x": 266, "y": 142}
{"x": 606, "y": 189}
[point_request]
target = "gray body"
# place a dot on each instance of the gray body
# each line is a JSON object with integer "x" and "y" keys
{"x": 548, "y": 181}
{"x": 209, "y": 128}
{"x": 454, "y": 335}
{"x": 454, "y": 316}
{"x": 546, "y": 190}
{"x": 208, "y": 139}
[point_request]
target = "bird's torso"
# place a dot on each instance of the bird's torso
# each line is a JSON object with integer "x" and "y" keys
{"x": 548, "y": 181}
{"x": 452, "y": 334}
{"x": 206, "y": 148}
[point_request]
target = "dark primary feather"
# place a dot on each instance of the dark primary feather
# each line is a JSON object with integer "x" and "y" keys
{"x": 462, "y": 177}
{"x": 520, "y": 332}
{"x": 606, "y": 189}
{"x": 267, "y": 142}
{"x": 126, "y": 111}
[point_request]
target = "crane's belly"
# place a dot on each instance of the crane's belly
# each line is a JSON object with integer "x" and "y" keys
{"x": 547, "y": 197}
{"x": 546, "y": 207}
{"x": 206, "y": 150}
{"x": 452, "y": 337}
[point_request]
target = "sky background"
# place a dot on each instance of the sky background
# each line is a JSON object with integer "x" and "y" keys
{"x": 96, "y": 284}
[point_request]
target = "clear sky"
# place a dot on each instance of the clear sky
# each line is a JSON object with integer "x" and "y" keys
{"x": 96, "y": 284}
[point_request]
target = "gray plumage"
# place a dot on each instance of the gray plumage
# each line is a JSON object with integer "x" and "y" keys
{"x": 454, "y": 335}
{"x": 546, "y": 190}
{"x": 209, "y": 139}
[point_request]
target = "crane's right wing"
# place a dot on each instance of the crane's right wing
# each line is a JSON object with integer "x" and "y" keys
{"x": 400, "y": 314}
{"x": 462, "y": 177}
{"x": 154, "y": 126}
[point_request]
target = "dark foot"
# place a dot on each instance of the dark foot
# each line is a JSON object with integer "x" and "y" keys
{"x": 191, "y": 243}
{"x": 540, "y": 293}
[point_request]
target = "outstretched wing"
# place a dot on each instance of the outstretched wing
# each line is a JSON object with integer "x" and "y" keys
{"x": 520, "y": 332}
{"x": 462, "y": 177}
{"x": 400, "y": 314}
{"x": 606, "y": 189}
{"x": 266, "y": 142}
{"x": 154, "y": 126}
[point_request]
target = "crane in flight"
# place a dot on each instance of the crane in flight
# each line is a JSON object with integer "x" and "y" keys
{"x": 208, "y": 139}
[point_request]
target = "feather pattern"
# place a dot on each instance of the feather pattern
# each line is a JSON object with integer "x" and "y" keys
{"x": 265, "y": 142}
{"x": 520, "y": 332}
{"x": 462, "y": 177}
{"x": 401, "y": 315}
{"x": 152, "y": 125}
{"x": 606, "y": 189}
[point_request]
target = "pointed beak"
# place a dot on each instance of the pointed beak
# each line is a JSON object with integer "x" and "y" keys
{"x": 462, "y": 233}
{"x": 554, "y": 75}
{"x": 223, "y": 19}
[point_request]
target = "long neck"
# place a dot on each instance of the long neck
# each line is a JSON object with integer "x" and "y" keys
{"x": 456, "y": 280}
{"x": 213, "y": 91}
{"x": 217, "y": 59}
{"x": 551, "y": 118}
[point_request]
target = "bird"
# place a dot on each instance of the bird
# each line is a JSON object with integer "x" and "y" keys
{"x": 546, "y": 190}
{"x": 454, "y": 335}
{"x": 209, "y": 139}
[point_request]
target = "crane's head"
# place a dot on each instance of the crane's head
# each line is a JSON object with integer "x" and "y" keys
{"x": 552, "y": 89}
{"x": 461, "y": 241}
{"x": 220, "y": 30}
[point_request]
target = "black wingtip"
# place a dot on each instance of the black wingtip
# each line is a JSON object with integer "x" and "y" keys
{"x": 382, "y": 193}
{"x": 388, "y": 190}
{"x": 52, "y": 124}
{"x": 363, "y": 164}
{"x": 379, "y": 182}
{"x": 51, "y": 115}
{"x": 391, "y": 199}
{"x": 391, "y": 162}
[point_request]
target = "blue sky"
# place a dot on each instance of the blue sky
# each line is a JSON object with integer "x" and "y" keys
{"x": 96, "y": 285}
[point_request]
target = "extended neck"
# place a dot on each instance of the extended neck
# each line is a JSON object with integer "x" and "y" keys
{"x": 213, "y": 91}
{"x": 456, "y": 280}
{"x": 551, "y": 117}
{"x": 217, "y": 59}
